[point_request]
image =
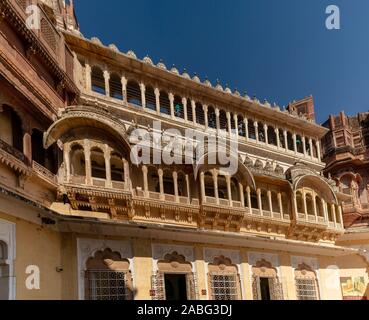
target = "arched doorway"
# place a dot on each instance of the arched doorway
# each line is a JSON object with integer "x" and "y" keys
{"x": 4, "y": 272}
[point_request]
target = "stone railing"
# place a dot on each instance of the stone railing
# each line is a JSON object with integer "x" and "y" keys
{"x": 13, "y": 151}
{"x": 44, "y": 173}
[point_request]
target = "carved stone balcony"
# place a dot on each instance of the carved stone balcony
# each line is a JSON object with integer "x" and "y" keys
{"x": 44, "y": 174}
{"x": 13, "y": 158}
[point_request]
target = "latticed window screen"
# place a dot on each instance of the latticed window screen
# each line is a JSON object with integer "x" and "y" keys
{"x": 306, "y": 289}
{"x": 224, "y": 286}
{"x": 107, "y": 285}
{"x": 275, "y": 288}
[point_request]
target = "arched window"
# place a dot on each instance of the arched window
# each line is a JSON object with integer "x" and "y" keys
{"x": 282, "y": 143}
{"x": 150, "y": 98}
{"x": 134, "y": 93}
{"x": 319, "y": 206}
{"x": 299, "y": 143}
{"x": 309, "y": 204}
{"x": 168, "y": 182}
{"x": 330, "y": 212}
{"x": 115, "y": 85}
{"x": 107, "y": 277}
{"x": 272, "y": 137}
{"x": 97, "y": 80}
{"x": 189, "y": 111}
{"x": 265, "y": 200}
{"x": 254, "y": 200}
{"x": 78, "y": 163}
{"x": 98, "y": 169}
{"x": 212, "y": 119}
{"x": 315, "y": 149}
{"x": 241, "y": 126}
{"x": 164, "y": 103}
{"x": 275, "y": 203}
{"x": 178, "y": 107}
{"x": 224, "y": 280}
{"x": 235, "y": 190}
{"x": 4, "y": 272}
{"x": 200, "y": 115}
{"x": 300, "y": 202}
{"x": 251, "y": 129}
{"x": 261, "y": 132}
{"x": 306, "y": 283}
{"x": 223, "y": 120}
{"x": 209, "y": 185}
{"x": 117, "y": 168}
{"x": 233, "y": 122}
{"x": 290, "y": 141}
{"x": 286, "y": 204}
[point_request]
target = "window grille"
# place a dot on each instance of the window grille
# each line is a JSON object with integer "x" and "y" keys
{"x": 223, "y": 120}
{"x": 261, "y": 132}
{"x": 200, "y": 115}
{"x": 212, "y": 119}
{"x": 164, "y": 103}
{"x": 189, "y": 111}
{"x": 251, "y": 129}
{"x": 134, "y": 93}
{"x": 306, "y": 289}
{"x": 107, "y": 285}
{"x": 241, "y": 127}
{"x": 97, "y": 80}
{"x": 115, "y": 85}
{"x": 224, "y": 286}
{"x": 150, "y": 99}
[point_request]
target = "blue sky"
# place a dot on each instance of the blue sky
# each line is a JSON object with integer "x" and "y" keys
{"x": 278, "y": 50}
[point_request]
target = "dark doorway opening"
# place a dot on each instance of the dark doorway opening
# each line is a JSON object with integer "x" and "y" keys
{"x": 265, "y": 289}
{"x": 175, "y": 287}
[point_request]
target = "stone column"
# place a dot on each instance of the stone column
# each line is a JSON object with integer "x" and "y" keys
{"x": 143, "y": 95}
{"x": 318, "y": 148}
{"x": 87, "y": 151}
{"x": 202, "y": 186}
{"x": 184, "y": 102}
{"x": 107, "y": 84}
{"x": 107, "y": 157}
{"x": 248, "y": 191}
{"x": 235, "y": 119}
{"x": 311, "y": 148}
{"x": 88, "y": 78}
{"x": 205, "y": 108}
{"x": 270, "y": 202}
{"x": 305, "y": 206}
{"x": 260, "y": 203}
{"x": 334, "y": 215}
{"x": 266, "y": 134}
{"x": 215, "y": 181}
{"x": 256, "y": 126}
{"x": 294, "y": 137}
{"x": 124, "y": 88}
{"x": 127, "y": 176}
{"x": 340, "y": 215}
{"x": 304, "y": 145}
{"x": 242, "y": 196}
{"x": 66, "y": 154}
{"x": 175, "y": 181}
{"x": 193, "y": 105}
{"x": 280, "y": 204}
{"x": 217, "y": 119}
{"x": 27, "y": 145}
{"x": 229, "y": 190}
{"x": 229, "y": 122}
{"x": 278, "y": 140}
{"x": 315, "y": 208}
{"x": 157, "y": 100}
{"x": 171, "y": 99}
{"x": 325, "y": 211}
{"x": 285, "y": 140}
{"x": 161, "y": 184}
{"x": 188, "y": 188}
{"x": 247, "y": 128}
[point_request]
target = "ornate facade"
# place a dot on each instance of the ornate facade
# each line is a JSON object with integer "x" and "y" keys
{"x": 114, "y": 229}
